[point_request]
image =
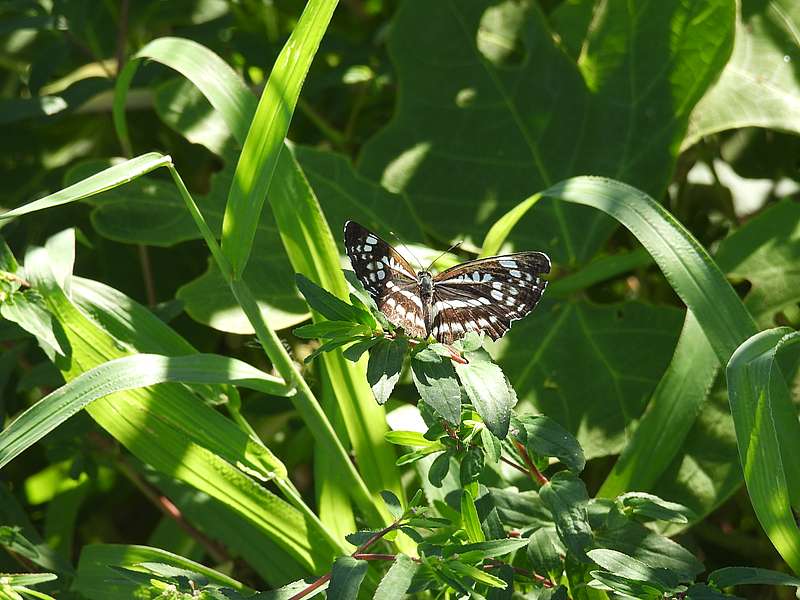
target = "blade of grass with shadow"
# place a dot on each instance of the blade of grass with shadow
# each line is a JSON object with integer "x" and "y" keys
{"x": 311, "y": 250}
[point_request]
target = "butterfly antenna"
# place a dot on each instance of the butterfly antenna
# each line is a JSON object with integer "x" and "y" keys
{"x": 453, "y": 247}
{"x": 406, "y": 248}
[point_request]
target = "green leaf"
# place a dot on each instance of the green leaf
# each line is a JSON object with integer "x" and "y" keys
{"x": 439, "y": 469}
{"x": 325, "y": 303}
{"x": 545, "y": 551}
{"x": 607, "y": 113}
{"x": 96, "y": 581}
{"x": 575, "y": 337}
{"x": 27, "y": 310}
{"x": 330, "y": 329}
{"x": 477, "y": 574}
{"x": 729, "y": 576}
{"x": 128, "y": 373}
{"x": 491, "y": 446}
{"x": 469, "y": 518}
{"x": 265, "y": 137}
{"x": 356, "y": 351}
{"x": 471, "y": 465}
{"x": 384, "y": 366}
{"x": 408, "y": 438}
{"x": 392, "y": 503}
{"x": 506, "y": 573}
{"x": 758, "y": 87}
{"x": 566, "y": 497}
{"x": 397, "y": 580}
{"x": 543, "y": 436}
{"x": 29, "y": 578}
{"x": 625, "y": 566}
{"x": 107, "y": 179}
{"x": 629, "y": 589}
{"x": 488, "y": 390}
{"x": 435, "y": 379}
{"x": 768, "y": 434}
{"x": 700, "y": 591}
{"x": 476, "y": 552}
{"x": 654, "y": 508}
{"x": 346, "y": 577}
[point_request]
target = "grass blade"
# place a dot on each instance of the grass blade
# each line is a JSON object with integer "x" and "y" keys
{"x": 768, "y": 435}
{"x": 264, "y": 141}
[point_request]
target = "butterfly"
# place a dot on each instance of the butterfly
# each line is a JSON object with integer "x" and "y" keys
{"x": 485, "y": 295}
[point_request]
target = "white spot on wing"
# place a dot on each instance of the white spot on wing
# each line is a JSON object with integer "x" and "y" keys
{"x": 371, "y": 239}
{"x": 515, "y": 273}
{"x": 367, "y": 248}
{"x": 497, "y": 295}
{"x": 381, "y": 275}
{"x": 510, "y": 264}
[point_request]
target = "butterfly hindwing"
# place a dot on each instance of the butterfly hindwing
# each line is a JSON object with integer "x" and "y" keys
{"x": 387, "y": 276}
{"x": 487, "y": 294}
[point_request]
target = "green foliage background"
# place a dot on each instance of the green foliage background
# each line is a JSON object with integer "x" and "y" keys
{"x": 431, "y": 120}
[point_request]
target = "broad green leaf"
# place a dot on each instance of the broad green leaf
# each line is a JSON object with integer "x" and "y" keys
{"x": 545, "y": 551}
{"x": 346, "y": 577}
{"x": 488, "y": 390}
{"x": 758, "y": 87}
{"x": 397, "y": 580}
{"x": 384, "y": 366}
{"x": 129, "y": 373}
{"x": 635, "y": 539}
{"x": 27, "y": 578}
{"x": 700, "y": 591}
{"x": 435, "y": 380}
{"x": 609, "y": 114}
{"x": 566, "y": 497}
{"x": 408, "y": 438}
{"x": 97, "y": 581}
{"x": 548, "y": 354}
{"x": 768, "y": 434}
{"x": 330, "y": 329}
{"x": 506, "y": 573}
{"x": 469, "y": 518}
{"x": 625, "y": 588}
{"x": 543, "y": 436}
{"x": 654, "y": 508}
{"x": 628, "y": 567}
{"x": 729, "y": 576}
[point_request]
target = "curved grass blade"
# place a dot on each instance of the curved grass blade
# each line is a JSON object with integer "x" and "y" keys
{"x": 127, "y": 373}
{"x": 768, "y": 435}
{"x": 311, "y": 250}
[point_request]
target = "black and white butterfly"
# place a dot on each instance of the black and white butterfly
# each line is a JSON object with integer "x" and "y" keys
{"x": 484, "y": 295}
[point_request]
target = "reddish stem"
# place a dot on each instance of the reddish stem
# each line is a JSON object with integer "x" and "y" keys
{"x": 318, "y": 583}
{"x": 535, "y": 473}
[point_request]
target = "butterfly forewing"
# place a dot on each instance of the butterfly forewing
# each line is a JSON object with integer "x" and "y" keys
{"x": 487, "y": 294}
{"x": 387, "y": 276}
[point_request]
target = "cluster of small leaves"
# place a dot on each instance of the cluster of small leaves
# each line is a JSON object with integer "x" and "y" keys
{"x": 553, "y": 541}
{"x": 445, "y": 376}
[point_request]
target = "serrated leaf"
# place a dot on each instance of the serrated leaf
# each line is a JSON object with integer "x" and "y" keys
{"x": 566, "y": 497}
{"x": 652, "y": 507}
{"x": 359, "y": 537}
{"x": 728, "y": 576}
{"x": 488, "y": 390}
{"x": 545, "y": 550}
{"x": 469, "y": 518}
{"x": 545, "y": 437}
{"x": 436, "y": 382}
{"x": 384, "y": 366}
{"x": 346, "y": 577}
{"x": 397, "y": 580}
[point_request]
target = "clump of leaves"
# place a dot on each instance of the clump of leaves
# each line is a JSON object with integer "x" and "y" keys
{"x": 479, "y": 535}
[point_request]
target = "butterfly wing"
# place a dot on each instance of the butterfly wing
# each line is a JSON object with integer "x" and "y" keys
{"x": 487, "y": 294}
{"x": 387, "y": 276}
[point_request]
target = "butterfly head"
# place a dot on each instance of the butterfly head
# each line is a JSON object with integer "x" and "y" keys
{"x": 425, "y": 281}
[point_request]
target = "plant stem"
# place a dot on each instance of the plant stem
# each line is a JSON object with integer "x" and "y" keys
{"x": 535, "y": 473}
{"x": 516, "y": 465}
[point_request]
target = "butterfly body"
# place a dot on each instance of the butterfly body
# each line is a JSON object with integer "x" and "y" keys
{"x": 484, "y": 295}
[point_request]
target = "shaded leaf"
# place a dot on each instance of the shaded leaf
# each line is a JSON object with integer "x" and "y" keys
{"x": 543, "y": 436}
{"x": 728, "y": 576}
{"x": 566, "y": 497}
{"x": 384, "y": 366}
{"x": 652, "y": 507}
{"x": 392, "y": 503}
{"x": 346, "y": 577}
{"x": 397, "y": 580}
{"x": 435, "y": 379}
{"x": 545, "y": 550}
{"x": 488, "y": 390}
